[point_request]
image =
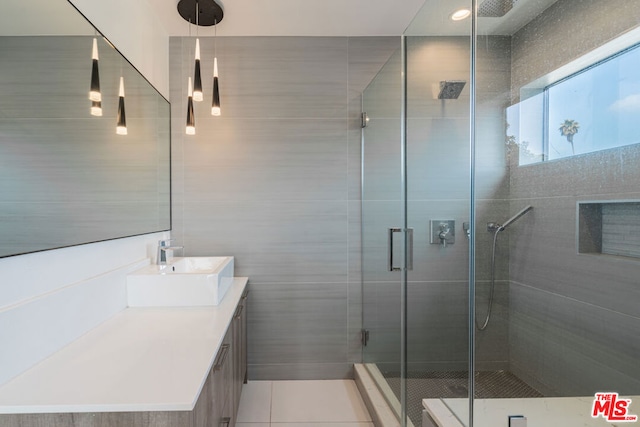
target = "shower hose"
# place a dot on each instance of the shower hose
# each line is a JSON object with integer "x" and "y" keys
{"x": 493, "y": 282}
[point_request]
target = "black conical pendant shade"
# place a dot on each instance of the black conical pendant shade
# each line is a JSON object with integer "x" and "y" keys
{"x": 215, "y": 103}
{"x": 94, "y": 92}
{"x": 197, "y": 76}
{"x": 121, "y": 127}
{"x": 191, "y": 119}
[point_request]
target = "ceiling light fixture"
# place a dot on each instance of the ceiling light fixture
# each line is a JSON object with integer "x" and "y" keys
{"x": 96, "y": 108}
{"x": 215, "y": 102}
{"x": 197, "y": 78}
{"x": 191, "y": 119}
{"x": 210, "y": 12}
{"x": 94, "y": 92}
{"x": 197, "y": 75}
{"x": 204, "y": 13}
{"x": 460, "y": 14}
{"x": 121, "y": 127}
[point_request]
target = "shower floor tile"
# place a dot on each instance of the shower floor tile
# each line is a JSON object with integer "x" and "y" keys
{"x": 433, "y": 385}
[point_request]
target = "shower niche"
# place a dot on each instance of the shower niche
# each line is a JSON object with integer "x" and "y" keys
{"x": 609, "y": 228}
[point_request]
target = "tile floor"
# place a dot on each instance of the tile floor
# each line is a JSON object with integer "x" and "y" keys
{"x": 328, "y": 403}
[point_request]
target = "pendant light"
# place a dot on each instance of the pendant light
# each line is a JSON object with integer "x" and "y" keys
{"x": 94, "y": 92}
{"x": 96, "y": 108}
{"x": 215, "y": 102}
{"x": 191, "y": 120}
{"x": 121, "y": 127}
{"x": 197, "y": 78}
{"x": 210, "y": 13}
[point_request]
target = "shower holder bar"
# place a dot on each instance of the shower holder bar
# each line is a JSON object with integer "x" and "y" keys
{"x": 493, "y": 226}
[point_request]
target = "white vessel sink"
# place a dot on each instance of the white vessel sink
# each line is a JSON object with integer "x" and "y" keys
{"x": 184, "y": 281}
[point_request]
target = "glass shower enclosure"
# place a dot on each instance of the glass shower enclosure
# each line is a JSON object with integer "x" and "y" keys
{"x": 501, "y": 212}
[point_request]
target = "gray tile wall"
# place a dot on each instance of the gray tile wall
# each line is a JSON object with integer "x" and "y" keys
{"x": 565, "y": 31}
{"x": 573, "y": 317}
{"x": 275, "y": 181}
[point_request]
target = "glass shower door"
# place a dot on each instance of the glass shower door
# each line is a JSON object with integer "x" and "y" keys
{"x": 383, "y": 222}
{"x": 382, "y": 215}
{"x": 439, "y": 85}
{"x": 417, "y": 179}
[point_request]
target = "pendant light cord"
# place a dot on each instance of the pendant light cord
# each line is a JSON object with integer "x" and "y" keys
{"x": 197, "y": 20}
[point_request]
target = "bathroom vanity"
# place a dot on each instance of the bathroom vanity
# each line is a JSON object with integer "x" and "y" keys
{"x": 146, "y": 366}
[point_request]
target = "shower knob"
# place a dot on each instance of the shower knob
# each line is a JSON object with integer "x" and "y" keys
{"x": 442, "y": 232}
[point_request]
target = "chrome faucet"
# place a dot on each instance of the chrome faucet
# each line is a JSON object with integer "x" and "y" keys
{"x": 163, "y": 247}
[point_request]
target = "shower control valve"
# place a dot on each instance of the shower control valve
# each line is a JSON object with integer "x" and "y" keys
{"x": 442, "y": 232}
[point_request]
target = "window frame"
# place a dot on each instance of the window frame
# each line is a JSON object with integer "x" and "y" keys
{"x": 545, "y": 90}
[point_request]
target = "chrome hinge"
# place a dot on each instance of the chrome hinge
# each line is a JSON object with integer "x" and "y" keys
{"x": 364, "y": 333}
{"x": 365, "y": 120}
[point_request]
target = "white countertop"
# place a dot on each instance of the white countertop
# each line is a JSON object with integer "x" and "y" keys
{"x": 540, "y": 411}
{"x": 142, "y": 359}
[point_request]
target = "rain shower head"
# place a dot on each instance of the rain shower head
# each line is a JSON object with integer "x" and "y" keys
{"x": 495, "y": 8}
{"x": 450, "y": 89}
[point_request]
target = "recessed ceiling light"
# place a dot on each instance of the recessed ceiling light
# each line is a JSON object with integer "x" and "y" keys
{"x": 460, "y": 14}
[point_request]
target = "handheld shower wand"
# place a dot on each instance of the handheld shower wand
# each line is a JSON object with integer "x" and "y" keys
{"x": 496, "y": 229}
{"x": 516, "y": 217}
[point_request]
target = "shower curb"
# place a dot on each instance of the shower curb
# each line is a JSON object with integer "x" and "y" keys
{"x": 377, "y": 404}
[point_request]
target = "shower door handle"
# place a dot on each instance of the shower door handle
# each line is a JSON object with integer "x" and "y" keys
{"x": 409, "y": 248}
{"x": 391, "y": 231}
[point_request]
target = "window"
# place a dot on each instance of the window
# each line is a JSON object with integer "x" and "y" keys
{"x": 595, "y": 109}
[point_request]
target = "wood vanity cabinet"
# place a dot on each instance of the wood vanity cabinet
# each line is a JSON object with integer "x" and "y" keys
{"x": 220, "y": 398}
{"x": 239, "y": 327}
{"x": 214, "y": 406}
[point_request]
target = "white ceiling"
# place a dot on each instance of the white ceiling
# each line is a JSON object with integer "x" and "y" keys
{"x": 346, "y": 18}
{"x": 298, "y": 17}
{"x": 285, "y": 18}
{"x": 434, "y": 18}
{"x": 45, "y": 17}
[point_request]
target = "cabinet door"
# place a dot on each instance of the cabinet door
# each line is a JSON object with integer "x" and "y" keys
{"x": 206, "y": 410}
{"x": 237, "y": 356}
{"x": 228, "y": 369}
{"x": 244, "y": 348}
{"x": 223, "y": 383}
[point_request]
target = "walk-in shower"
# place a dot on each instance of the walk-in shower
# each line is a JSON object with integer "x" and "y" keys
{"x": 545, "y": 303}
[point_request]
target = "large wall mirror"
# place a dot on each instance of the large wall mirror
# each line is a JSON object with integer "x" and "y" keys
{"x": 66, "y": 177}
